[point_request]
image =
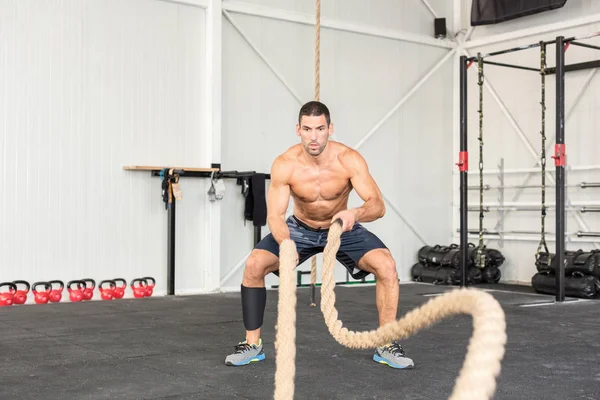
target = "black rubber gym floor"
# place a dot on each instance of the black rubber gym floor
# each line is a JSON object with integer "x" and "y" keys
{"x": 174, "y": 348}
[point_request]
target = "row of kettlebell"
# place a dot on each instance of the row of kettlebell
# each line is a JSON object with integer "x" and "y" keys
{"x": 79, "y": 290}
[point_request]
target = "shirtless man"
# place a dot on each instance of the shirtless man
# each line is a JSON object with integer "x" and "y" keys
{"x": 320, "y": 174}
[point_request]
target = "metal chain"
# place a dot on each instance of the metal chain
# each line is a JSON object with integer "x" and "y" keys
{"x": 543, "y": 157}
{"x": 480, "y": 254}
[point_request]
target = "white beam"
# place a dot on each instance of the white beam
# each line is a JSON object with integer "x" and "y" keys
{"x": 405, "y": 98}
{"x": 235, "y": 268}
{"x": 212, "y": 149}
{"x": 469, "y": 33}
{"x": 262, "y": 56}
{"x": 193, "y": 3}
{"x": 535, "y": 30}
{"x": 307, "y": 19}
{"x": 431, "y": 10}
{"x": 403, "y": 218}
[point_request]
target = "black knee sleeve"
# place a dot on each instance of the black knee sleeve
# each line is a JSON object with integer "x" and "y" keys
{"x": 254, "y": 301}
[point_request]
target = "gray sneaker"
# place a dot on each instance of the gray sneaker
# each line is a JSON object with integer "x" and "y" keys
{"x": 393, "y": 355}
{"x": 245, "y": 354}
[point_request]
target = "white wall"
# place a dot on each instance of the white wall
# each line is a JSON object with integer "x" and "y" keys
{"x": 520, "y": 91}
{"x": 362, "y": 78}
{"x": 86, "y": 88}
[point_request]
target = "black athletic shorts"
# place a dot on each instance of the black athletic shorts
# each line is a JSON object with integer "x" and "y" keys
{"x": 310, "y": 241}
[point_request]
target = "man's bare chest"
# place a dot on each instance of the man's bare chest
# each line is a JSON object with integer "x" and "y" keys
{"x": 310, "y": 184}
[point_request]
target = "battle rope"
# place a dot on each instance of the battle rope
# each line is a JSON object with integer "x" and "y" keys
{"x": 482, "y": 365}
{"x": 543, "y": 157}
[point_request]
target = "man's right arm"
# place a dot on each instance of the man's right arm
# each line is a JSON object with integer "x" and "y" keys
{"x": 278, "y": 200}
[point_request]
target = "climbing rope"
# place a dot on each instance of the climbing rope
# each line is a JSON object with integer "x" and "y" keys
{"x": 480, "y": 249}
{"x": 317, "y": 50}
{"x": 482, "y": 365}
{"x": 542, "y": 243}
{"x": 313, "y": 265}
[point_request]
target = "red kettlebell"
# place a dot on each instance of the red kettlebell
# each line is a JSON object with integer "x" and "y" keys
{"x": 150, "y": 287}
{"x": 139, "y": 291}
{"x": 41, "y": 297}
{"x": 88, "y": 292}
{"x": 107, "y": 294}
{"x": 119, "y": 291}
{"x": 21, "y": 295}
{"x": 56, "y": 294}
{"x": 76, "y": 295}
{"x": 6, "y": 298}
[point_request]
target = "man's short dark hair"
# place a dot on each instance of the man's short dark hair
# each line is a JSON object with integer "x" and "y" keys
{"x": 314, "y": 109}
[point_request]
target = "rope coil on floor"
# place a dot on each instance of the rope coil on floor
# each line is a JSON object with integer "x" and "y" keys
{"x": 482, "y": 365}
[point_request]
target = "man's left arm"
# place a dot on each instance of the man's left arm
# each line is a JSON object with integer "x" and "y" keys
{"x": 367, "y": 189}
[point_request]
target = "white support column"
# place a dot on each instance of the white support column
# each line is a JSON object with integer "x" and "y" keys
{"x": 457, "y": 22}
{"x": 456, "y": 27}
{"x": 212, "y": 152}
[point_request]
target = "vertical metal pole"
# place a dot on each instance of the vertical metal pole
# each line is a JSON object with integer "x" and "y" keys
{"x": 171, "y": 249}
{"x": 501, "y": 203}
{"x": 463, "y": 167}
{"x": 560, "y": 161}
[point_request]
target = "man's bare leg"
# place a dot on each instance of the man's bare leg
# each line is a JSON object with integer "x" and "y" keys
{"x": 387, "y": 292}
{"x": 387, "y": 289}
{"x": 259, "y": 264}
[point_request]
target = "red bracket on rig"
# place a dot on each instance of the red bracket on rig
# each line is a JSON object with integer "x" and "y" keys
{"x": 560, "y": 155}
{"x": 463, "y": 161}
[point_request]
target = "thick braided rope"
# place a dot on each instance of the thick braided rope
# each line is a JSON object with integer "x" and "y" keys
{"x": 317, "y": 50}
{"x": 477, "y": 378}
{"x": 313, "y": 267}
{"x": 285, "y": 340}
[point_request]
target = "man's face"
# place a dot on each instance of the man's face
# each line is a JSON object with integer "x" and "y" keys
{"x": 314, "y": 133}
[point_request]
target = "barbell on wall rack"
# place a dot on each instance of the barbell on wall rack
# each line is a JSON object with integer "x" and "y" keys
{"x": 582, "y": 185}
{"x": 534, "y": 170}
{"x": 582, "y": 209}
{"x": 513, "y": 232}
{"x": 588, "y": 234}
{"x": 526, "y": 232}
